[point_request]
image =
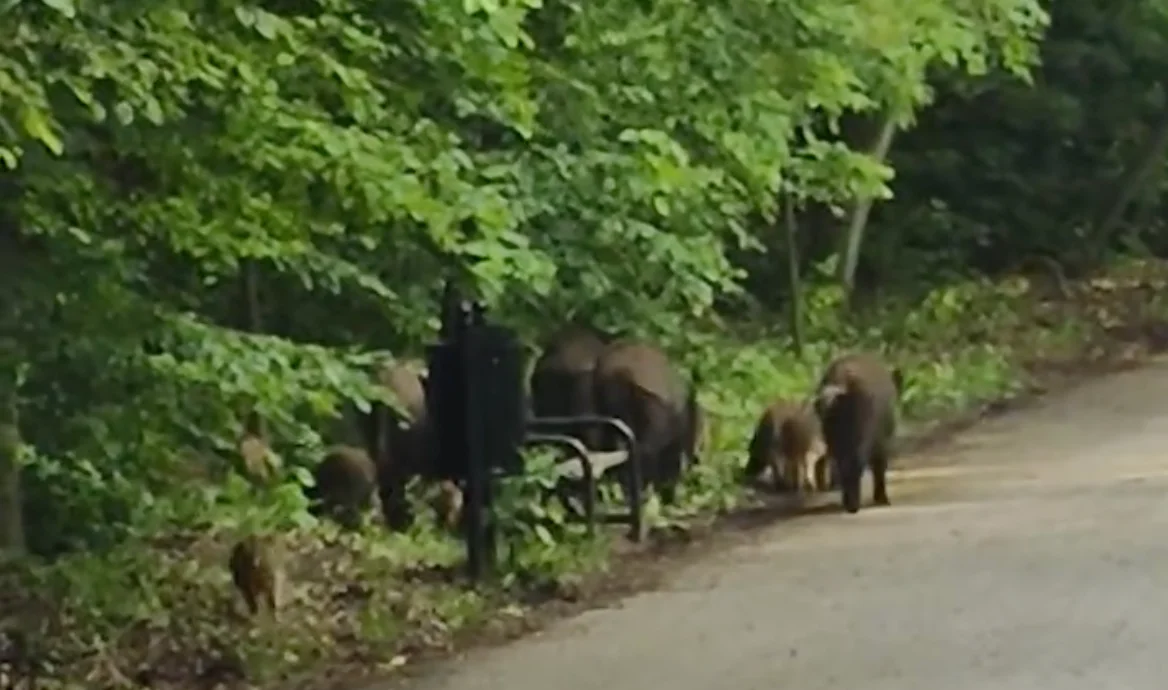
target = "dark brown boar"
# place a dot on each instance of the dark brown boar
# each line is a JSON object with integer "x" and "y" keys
{"x": 561, "y": 381}
{"x": 636, "y": 383}
{"x": 344, "y": 484}
{"x": 399, "y": 439}
{"x": 856, "y": 404}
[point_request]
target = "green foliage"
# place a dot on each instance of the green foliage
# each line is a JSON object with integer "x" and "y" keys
{"x": 621, "y": 163}
{"x": 1051, "y": 156}
{"x": 539, "y": 542}
{"x": 354, "y": 156}
{"x": 163, "y": 601}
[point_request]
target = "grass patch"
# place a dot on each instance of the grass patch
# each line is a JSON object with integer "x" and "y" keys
{"x": 161, "y": 611}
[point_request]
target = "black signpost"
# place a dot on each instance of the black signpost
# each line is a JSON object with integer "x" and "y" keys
{"x": 475, "y": 399}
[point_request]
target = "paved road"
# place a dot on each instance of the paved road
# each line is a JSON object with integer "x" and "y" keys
{"x": 1030, "y": 553}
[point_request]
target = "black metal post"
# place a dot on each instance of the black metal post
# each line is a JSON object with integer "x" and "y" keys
{"x": 474, "y": 394}
{"x": 483, "y": 393}
{"x": 480, "y": 552}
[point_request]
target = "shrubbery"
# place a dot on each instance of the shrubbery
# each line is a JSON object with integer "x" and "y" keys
{"x": 205, "y": 214}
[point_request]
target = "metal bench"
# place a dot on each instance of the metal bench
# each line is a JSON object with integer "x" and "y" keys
{"x": 584, "y": 466}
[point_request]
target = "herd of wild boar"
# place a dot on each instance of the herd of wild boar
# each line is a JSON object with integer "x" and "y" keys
{"x": 824, "y": 442}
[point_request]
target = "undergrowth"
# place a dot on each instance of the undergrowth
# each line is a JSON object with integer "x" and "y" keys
{"x": 159, "y": 609}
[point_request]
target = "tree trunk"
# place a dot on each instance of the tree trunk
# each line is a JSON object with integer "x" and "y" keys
{"x": 794, "y": 286}
{"x": 14, "y": 259}
{"x": 12, "y": 537}
{"x": 854, "y": 236}
{"x": 1137, "y": 177}
{"x": 253, "y": 323}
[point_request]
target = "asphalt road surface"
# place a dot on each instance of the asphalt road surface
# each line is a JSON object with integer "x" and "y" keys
{"x": 1031, "y": 552}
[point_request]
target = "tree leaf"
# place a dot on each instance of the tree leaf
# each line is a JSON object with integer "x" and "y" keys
{"x": 37, "y": 126}
{"x": 65, "y": 7}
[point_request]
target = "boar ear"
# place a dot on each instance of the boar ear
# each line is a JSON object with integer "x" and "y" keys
{"x": 827, "y": 395}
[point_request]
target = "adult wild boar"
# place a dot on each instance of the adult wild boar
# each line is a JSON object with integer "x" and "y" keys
{"x": 787, "y": 439}
{"x": 399, "y": 440}
{"x": 856, "y": 404}
{"x": 561, "y": 381}
{"x": 343, "y": 485}
{"x": 637, "y": 384}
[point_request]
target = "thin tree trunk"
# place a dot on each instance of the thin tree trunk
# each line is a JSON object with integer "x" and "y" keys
{"x": 854, "y": 236}
{"x": 12, "y": 537}
{"x": 794, "y": 286}
{"x": 254, "y": 423}
{"x": 1137, "y": 177}
{"x": 13, "y": 263}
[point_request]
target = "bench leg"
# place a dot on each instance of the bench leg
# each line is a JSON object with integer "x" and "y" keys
{"x": 635, "y": 497}
{"x": 590, "y": 491}
{"x": 590, "y": 480}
